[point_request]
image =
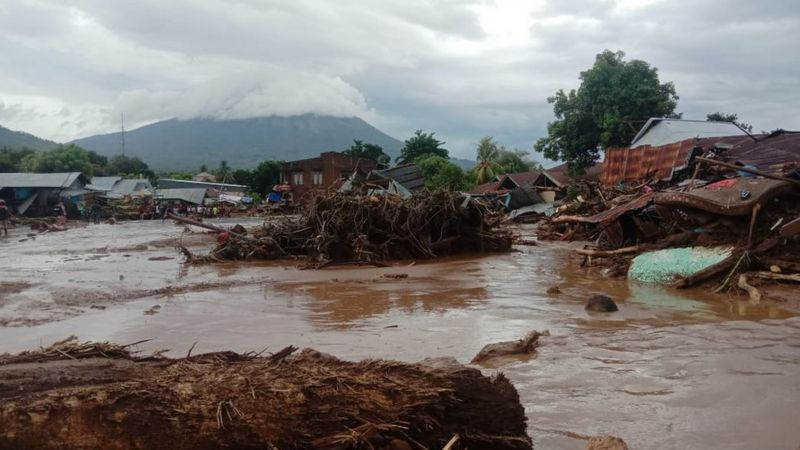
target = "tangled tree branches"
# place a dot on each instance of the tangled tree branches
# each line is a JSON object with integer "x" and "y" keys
{"x": 339, "y": 227}
{"x": 227, "y": 400}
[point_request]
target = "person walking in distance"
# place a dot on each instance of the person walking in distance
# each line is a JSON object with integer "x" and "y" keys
{"x": 5, "y": 214}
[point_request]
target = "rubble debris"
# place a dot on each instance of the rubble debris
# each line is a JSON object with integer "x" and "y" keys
{"x": 110, "y": 399}
{"x": 601, "y": 303}
{"x": 395, "y": 276}
{"x": 342, "y": 228}
{"x": 524, "y": 346}
{"x": 554, "y": 290}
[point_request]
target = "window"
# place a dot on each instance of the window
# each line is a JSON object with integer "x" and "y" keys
{"x": 317, "y": 180}
{"x": 297, "y": 178}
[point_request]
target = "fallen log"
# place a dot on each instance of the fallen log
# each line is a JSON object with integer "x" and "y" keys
{"x": 706, "y": 273}
{"x": 197, "y": 223}
{"x": 777, "y": 276}
{"x": 604, "y": 253}
{"x": 88, "y": 401}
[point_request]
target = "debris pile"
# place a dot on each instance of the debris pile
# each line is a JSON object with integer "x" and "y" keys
{"x": 341, "y": 228}
{"x": 308, "y": 400}
{"x": 715, "y": 219}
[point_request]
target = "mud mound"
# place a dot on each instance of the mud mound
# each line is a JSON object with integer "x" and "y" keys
{"x": 229, "y": 400}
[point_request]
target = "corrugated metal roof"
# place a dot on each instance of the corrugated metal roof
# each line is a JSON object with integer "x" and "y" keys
{"x": 661, "y": 131}
{"x": 612, "y": 214}
{"x": 103, "y": 183}
{"x": 127, "y": 187}
{"x": 190, "y": 195}
{"x": 485, "y": 188}
{"x": 408, "y": 175}
{"x": 39, "y": 180}
{"x": 770, "y": 153}
{"x": 559, "y": 173}
{"x": 168, "y": 183}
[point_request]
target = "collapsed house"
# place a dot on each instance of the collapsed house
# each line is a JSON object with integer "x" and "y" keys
{"x": 35, "y": 194}
{"x": 725, "y": 204}
{"x": 403, "y": 180}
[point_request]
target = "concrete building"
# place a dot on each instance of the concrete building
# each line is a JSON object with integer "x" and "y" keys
{"x": 323, "y": 172}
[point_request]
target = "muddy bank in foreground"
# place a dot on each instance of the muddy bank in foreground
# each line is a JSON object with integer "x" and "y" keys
{"x": 105, "y": 398}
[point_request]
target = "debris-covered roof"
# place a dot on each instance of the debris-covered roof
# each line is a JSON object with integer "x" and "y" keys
{"x": 486, "y": 188}
{"x": 559, "y": 173}
{"x": 736, "y": 197}
{"x": 661, "y": 131}
{"x": 408, "y": 175}
{"x": 522, "y": 178}
{"x": 612, "y": 214}
{"x": 769, "y": 153}
{"x": 40, "y": 180}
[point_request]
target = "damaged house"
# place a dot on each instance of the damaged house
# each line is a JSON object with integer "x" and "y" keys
{"x": 35, "y": 194}
{"x": 301, "y": 178}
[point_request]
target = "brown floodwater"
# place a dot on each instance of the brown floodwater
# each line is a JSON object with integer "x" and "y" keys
{"x": 671, "y": 369}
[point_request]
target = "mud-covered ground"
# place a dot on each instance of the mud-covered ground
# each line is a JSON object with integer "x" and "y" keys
{"x": 671, "y": 369}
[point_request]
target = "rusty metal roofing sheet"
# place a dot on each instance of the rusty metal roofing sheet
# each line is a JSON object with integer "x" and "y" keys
{"x": 612, "y": 214}
{"x": 661, "y": 162}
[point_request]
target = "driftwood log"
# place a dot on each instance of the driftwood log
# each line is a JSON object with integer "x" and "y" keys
{"x": 99, "y": 396}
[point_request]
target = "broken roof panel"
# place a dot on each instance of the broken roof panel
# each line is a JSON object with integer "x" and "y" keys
{"x": 727, "y": 200}
{"x": 662, "y": 131}
{"x": 659, "y": 162}
{"x": 40, "y": 180}
{"x": 612, "y": 214}
{"x": 407, "y": 175}
{"x": 769, "y": 153}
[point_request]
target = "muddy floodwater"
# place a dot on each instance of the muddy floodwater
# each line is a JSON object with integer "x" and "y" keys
{"x": 670, "y": 370}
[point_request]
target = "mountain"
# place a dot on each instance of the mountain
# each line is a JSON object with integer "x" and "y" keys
{"x": 18, "y": 139}
{"x": 187, "y": 144}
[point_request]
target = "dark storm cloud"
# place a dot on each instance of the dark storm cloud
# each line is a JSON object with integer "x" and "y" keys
{"x": 461, "y": 68}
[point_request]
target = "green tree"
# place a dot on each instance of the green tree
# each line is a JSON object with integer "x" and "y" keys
{"x": 441, "y": 173}
{"x": 242, "y": 176}
{"x": 203, "y": 168}
{"x": 372, "y": 152}
{"x": 512, "y": 161}
{"x": 129, "y": 167}
{"x": 419, "y": 145}
{"x": 733, "y": 118}
{"x": 613, "y": 94}
{"x": 180, "y": 176}
{"x": 63, "y": 158}
{"x": 265, "y": 176}
{"x": 11, "y": 159}
{"x": 487, "y": 154}
{"x": 224, "y": 173}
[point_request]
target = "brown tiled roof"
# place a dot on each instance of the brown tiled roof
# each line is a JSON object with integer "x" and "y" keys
{"x": 559, "y": 173}
{"x": 522, "y": 178}
{"x": 485, "y": 188}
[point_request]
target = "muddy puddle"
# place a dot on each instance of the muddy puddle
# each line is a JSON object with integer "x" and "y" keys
{"x": 671, "y": 369}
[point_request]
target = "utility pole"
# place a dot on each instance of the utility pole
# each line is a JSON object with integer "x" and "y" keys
{"x": 122, "y": 132}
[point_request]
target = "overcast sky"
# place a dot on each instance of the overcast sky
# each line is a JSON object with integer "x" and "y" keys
{"x": 461, "y": 68}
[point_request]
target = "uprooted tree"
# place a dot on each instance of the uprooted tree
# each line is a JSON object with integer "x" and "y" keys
{"x": 614, "y": 99}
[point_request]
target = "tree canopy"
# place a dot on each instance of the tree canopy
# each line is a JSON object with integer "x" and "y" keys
{"x": 129, "y": 167}
{"x": 440, "y": 172}
{"x": 419, "y": 145}
{"x": 613, "y": 96}
{"x": 365, "y": 150}
{"x": 494, "y": 160}
{"x": 733, "y": 118}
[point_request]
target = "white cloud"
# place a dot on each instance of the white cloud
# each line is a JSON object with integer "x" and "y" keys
{"x": 460, "y": 68}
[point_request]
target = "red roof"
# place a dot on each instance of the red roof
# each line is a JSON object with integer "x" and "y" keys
{"x": 486, "y": 188}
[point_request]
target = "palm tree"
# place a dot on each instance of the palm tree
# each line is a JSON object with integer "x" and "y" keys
{"x": 487, "y": 154}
